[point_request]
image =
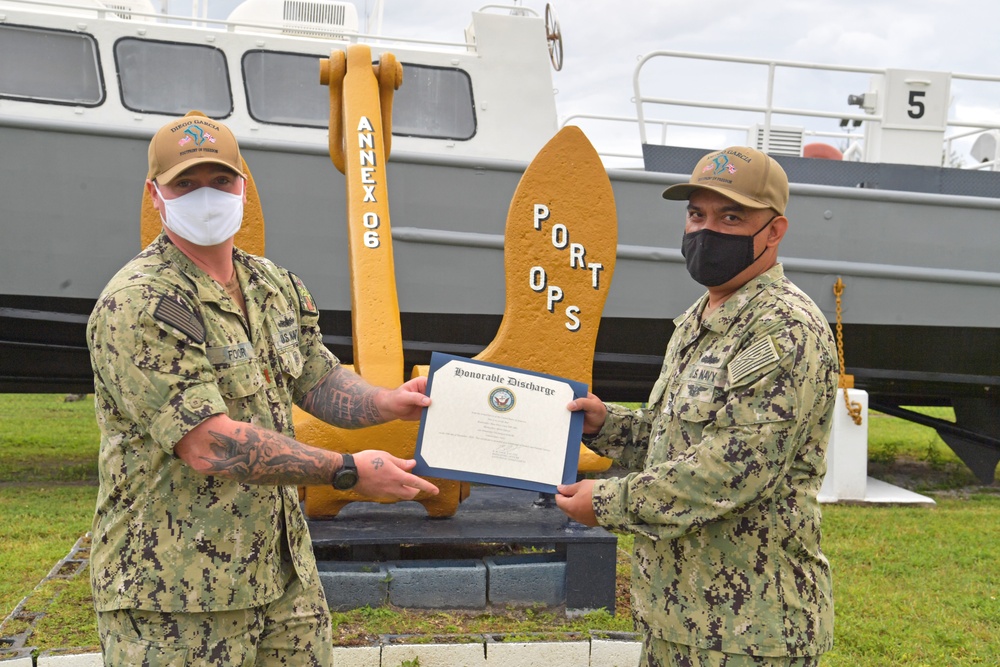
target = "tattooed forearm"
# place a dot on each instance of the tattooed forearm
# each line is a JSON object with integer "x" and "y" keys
{"x": 257, "y": 456}
{"x": 343, "y": 399}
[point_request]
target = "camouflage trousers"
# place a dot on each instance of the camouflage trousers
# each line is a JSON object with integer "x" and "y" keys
{"x": 294, "y": 630}
{"x": 659, "y": 653}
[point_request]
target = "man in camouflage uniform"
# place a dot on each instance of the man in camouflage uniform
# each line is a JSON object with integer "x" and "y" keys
{"x": 201, "y": 554}
{"x": 730, "y": 448}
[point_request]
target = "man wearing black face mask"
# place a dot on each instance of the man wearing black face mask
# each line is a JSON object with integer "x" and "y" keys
{"x": 730, "y": 451}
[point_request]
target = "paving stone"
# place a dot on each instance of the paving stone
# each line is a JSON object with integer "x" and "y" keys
{"x": 17, "y": 658}
{"x": 539, "y": 654}
{"x": 435, "y": 655}
{"x": 357, "y": 656}
{"x": 53, "y": 659}
{"x": 615, "y": 652}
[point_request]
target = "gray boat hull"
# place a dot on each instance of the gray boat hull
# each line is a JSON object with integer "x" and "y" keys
{"x": 921, "y": 290}
{"x": 920, "y": 313}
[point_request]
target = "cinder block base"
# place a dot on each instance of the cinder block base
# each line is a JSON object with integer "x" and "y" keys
{"x": 350, "y": 585}
{"x": 433, "y": 584}
{"x": 526, "y": 580}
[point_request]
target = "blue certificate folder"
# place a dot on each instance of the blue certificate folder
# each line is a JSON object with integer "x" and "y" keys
{"x": 438, "y": 360}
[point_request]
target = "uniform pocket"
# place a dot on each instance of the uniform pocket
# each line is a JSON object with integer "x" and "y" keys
{"x": 127, "y": 652}
{"x": 695, "y": 411}
{"x": 291, "y": 362}
{"x": 239, "y": 381}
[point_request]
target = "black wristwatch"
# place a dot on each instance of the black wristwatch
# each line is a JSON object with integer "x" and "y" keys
{"x": 345, "y": 478}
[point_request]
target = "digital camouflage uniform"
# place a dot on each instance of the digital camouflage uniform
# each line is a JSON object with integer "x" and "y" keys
{"x": 731, "y": 455}
{"x": 169, "y": 349}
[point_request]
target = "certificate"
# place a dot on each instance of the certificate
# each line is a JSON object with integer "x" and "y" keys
{"x": 499, "y": 425}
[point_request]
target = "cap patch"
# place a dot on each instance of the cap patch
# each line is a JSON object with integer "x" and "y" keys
{"x": 196, "y": 134}
{"x": 747, "y": 176}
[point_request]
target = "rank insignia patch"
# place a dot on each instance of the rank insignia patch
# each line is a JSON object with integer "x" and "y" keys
{"x": 306, "y": 302}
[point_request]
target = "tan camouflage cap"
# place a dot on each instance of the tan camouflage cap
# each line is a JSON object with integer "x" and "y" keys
{"x": 191, "y": 140}
{"x": 745, "y": 175}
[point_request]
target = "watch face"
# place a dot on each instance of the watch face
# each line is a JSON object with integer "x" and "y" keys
{"x": 345, "y": 479}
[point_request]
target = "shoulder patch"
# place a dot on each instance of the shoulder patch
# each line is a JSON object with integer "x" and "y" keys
{"x": 306, "y": 303}
{"x": 759, "y": 354}
{"x": 180, "y": 317}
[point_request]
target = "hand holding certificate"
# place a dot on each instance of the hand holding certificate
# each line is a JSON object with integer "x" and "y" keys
{"x": 499, "y": 425}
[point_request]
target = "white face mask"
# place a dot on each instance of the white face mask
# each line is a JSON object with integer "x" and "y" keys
{"x": 205, "y": 216}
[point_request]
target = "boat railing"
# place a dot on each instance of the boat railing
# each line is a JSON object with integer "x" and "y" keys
{"x": 769, "y": 109}
{"x": 517, "y": 10}
{"x": 853, "y": 150}
{"x": 573, "y": 119}
{"x": 986, "y": 149}
{"x": 873, "y": 111}
{"x": 109, "y": 11}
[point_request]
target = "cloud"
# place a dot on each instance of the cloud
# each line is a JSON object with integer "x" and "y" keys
{"x": 602, "y": 41}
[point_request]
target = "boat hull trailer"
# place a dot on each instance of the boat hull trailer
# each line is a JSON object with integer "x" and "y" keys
{"x": 43, "y": 350}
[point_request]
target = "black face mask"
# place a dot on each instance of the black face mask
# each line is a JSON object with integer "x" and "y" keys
{"x": 714, "y": 258}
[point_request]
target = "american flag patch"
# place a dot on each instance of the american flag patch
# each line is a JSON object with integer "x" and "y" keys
{"x": 178, "y": 316}
{"x": 759, "y": 354}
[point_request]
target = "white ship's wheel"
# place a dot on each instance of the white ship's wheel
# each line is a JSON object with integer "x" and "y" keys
{"x": 554, "y": 35}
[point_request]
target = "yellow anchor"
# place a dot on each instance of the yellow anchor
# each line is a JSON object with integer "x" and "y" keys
{"x": 360, "y": 139}
{"x": 559, "y": 256}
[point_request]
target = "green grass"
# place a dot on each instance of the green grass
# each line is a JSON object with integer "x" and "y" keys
{"x": 914, "y": 586}
{"x": 39, "y": 524}
{"x": 44, "y": 438}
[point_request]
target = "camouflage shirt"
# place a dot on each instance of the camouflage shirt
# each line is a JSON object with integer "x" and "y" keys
{"x": 170, "y": 348}
{"x": 731, "y": 455}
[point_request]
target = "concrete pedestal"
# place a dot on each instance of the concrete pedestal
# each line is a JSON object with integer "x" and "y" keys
{"x": 847, "y": 462}
{"x": 490, "y": 516}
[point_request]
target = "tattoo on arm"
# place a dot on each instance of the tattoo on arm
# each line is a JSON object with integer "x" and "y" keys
{"x": 343, "y": 399}
{"x": 377, "y": 462}
{"x": 258, "y": 456}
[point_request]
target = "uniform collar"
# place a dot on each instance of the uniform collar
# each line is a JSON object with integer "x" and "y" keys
{"x": 207, "y": 287}
{"x": 252, "y": 280}
{"x": 719, "y": 321}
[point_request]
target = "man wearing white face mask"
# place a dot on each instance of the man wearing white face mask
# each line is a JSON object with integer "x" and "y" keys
{"x": 201, "y": 554}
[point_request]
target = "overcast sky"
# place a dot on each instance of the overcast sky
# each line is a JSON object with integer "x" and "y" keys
{"x": 603, "y": 39}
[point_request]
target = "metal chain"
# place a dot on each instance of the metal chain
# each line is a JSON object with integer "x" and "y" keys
{"x": 853, "y": 407}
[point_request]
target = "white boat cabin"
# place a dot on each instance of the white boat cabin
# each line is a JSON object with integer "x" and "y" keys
{"x": 117, "y": 65}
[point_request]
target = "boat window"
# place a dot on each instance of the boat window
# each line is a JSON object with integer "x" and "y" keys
{"x": 434, "y": 102}
{"x": 55, "y": 66}
{"x": 284, "y": 88}
{"x": 173, "y": 78}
